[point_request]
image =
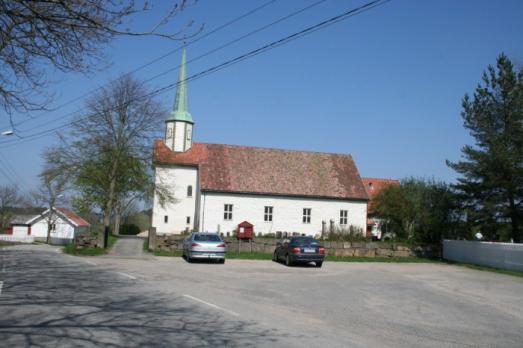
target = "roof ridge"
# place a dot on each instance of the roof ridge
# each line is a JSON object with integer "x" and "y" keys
{"x": 277, "y": 149}
{"x": 375, "y": 178}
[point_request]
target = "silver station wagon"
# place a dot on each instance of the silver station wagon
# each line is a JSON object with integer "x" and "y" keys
{"x": 204, "y": 246}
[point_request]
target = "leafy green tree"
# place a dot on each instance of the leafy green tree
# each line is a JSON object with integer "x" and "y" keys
{"x": 419, "y": 210}
{"x": 107, "y": 154}
{"x": 491, "y": 182}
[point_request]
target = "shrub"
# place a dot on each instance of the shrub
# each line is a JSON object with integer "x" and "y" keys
{"x": 349, "y": 234}
{"x": 129, "y": 229}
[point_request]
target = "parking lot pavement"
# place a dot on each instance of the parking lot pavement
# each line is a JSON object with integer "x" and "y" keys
{"x": 167, "y": 301}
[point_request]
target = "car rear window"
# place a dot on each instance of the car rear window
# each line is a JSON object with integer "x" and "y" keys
{"x": 305, "y": 241}
{"x": 207, "y": 238}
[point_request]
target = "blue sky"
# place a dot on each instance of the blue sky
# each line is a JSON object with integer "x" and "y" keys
{"x": 384, "y": 86}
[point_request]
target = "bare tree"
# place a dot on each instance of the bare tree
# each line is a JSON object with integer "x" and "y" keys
{"x": 9, "y": 199}
{"x": 50, "y": 194}
{"x": 65, "y": 35}
{"x": 107, "y": 155}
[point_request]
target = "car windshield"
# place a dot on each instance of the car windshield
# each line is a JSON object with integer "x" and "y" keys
{"x": 207, "y": 238}
{"x": 302, "y": 241}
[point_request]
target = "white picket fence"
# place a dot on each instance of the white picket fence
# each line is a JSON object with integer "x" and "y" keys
{"x": 18, "y": 239}
{"x": 500, "y": 255}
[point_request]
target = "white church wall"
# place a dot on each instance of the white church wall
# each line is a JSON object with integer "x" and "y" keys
{"x": 287, "y": 213}
{"x": 177, "y": 179}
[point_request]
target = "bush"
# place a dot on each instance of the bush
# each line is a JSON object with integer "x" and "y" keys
{"x": 129, "y": 229}
{"x": 350, "y": 234}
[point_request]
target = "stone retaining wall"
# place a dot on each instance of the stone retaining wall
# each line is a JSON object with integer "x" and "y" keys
{"x": 369, "y": 249}
{"x": 87, "y": 241}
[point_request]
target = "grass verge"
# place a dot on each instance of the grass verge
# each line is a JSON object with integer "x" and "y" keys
{"x": 392, "y": 259}
{"x": 176, "y": 253}
{"x": 74, "y": 250}
{"x": 486, "y": 268}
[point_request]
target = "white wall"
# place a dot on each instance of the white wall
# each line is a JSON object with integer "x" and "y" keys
{"x": 188, "y": 137}
{"x": 169, "y": 135}
{"x": 287, "y": 213}
{"x": 179, "y": 136}
{"x": 63, "y": 230}
{"x": 20, "y": 231}
{"x": 20, "y": 239}
{"x": 499, "y": 255}
{"x": 177, "y": 179}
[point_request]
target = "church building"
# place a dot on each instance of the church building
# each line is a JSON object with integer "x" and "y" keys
{"x": 217, "y": 186}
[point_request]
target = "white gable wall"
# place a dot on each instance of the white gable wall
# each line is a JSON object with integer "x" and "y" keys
{"x": 177, "y": 179}
{"x": 287, "y": 213}
{"x": 63, "y": 230}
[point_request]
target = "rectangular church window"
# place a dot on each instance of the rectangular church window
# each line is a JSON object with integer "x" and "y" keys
{"x": 343, "y": 217}
{"x": 227, "y": 212}
{"x": 267, "y": 216}
{"x": 307, "y": 215}
{"x": 165, "y": 219}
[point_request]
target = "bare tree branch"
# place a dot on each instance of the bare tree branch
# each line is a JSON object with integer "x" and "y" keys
{"x": 68, "y": 35}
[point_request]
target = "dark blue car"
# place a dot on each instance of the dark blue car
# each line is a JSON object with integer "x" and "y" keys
{"x": 299, "y": 250}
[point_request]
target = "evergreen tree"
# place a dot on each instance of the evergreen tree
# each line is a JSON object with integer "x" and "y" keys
{"x": 491, "y": 182}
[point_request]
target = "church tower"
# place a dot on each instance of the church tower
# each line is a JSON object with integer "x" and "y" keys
{"x": 179, "y": 124}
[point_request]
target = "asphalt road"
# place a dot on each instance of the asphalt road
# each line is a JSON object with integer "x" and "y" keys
{"x": 129, "y": 247}
{"x": 49, "y": 299}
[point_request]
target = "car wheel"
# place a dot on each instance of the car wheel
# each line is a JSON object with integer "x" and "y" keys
{"x": 188, "y": 258}
{"x": 288, "y": 261}
{"x": 318, "y": 264}
{"x": 222, "y": 261}
{"x": 275, "y": 257}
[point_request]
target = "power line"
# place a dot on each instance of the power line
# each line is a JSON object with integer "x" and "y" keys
{"x": 8, "y": 177}
{"x": 141, "y": 67}
{"x": 309, "y": 30}
{"x": 10, "y": 173}
{"x": 229, "y": 43}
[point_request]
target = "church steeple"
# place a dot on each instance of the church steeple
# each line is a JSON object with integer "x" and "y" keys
{"x": 179, "y": 124}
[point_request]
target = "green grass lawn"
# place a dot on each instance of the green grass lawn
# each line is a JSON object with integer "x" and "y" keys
{"x": 175, "y": 253}
{"x": 73, "y": 250}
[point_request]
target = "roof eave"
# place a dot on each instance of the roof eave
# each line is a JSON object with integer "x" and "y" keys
{"x": 359, "y": 199}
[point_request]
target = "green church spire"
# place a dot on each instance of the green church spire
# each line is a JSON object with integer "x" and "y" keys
{"x": 180, "y": 111}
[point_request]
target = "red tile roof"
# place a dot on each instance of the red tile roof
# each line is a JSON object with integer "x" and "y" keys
{"x": 243, "y": 169}
{"x": 374, "y": 187}
{"x": 73, "y": 217}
